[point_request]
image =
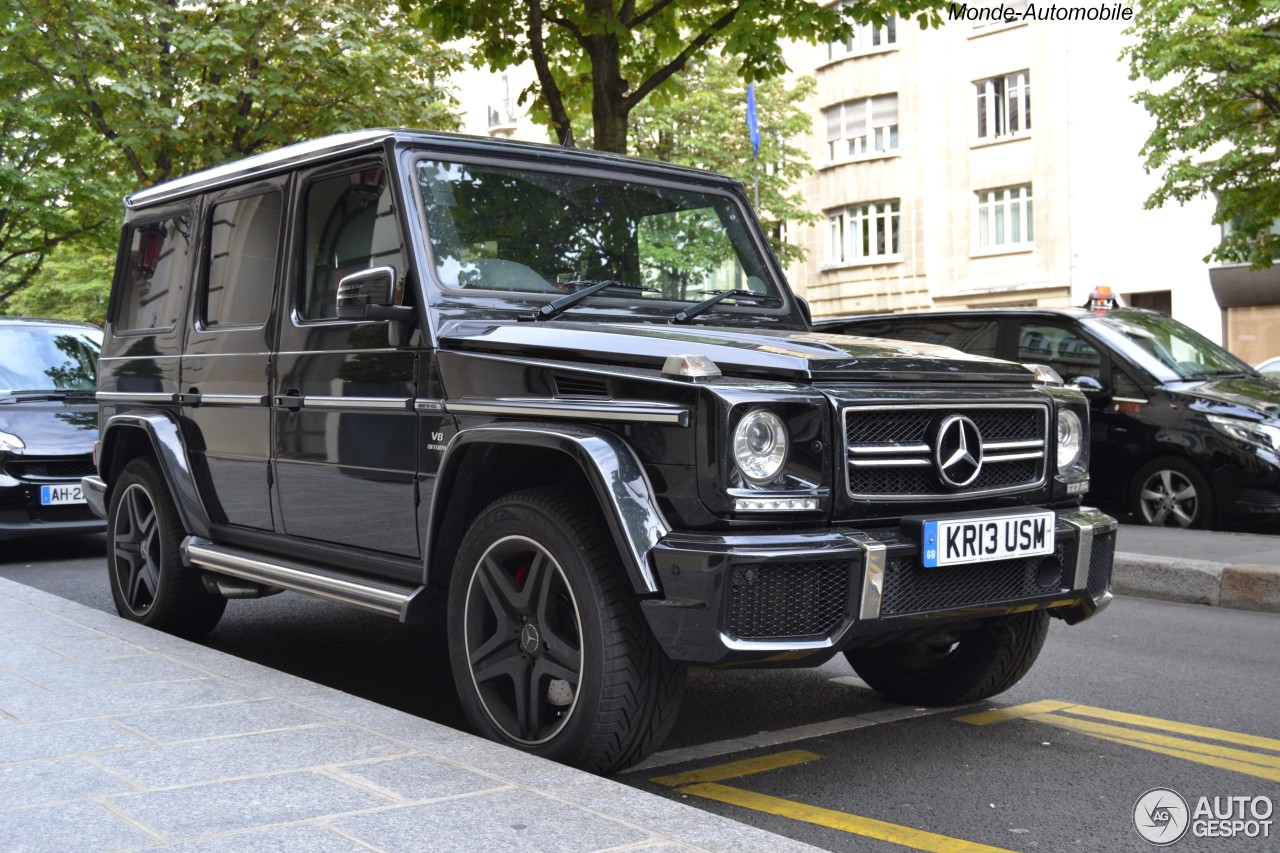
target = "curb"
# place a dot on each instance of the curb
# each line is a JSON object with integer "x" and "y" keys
{"x": 1242, "y": 587}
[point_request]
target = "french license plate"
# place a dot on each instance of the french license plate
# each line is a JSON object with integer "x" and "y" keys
{"x": 68, "y": 494}
{"x": 954, "y": 542}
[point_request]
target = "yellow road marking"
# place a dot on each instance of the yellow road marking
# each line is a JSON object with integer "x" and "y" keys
{"x": 1199, "y": 758}
{"x": 1106, "y": 730}
{"x": 916, "y": 839}
{"x": 1238, "y": 738}
{"x": 1017, "y": 712}
{"x": 704, "y": 783}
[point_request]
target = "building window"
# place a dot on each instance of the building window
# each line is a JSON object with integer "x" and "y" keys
{"x": 1004, "y": 217}
{"x": 1004, "y": 105}
{"x": 865, "y": 38}
{"x": 864, "y": 232}
{"x": 864, "y": 126}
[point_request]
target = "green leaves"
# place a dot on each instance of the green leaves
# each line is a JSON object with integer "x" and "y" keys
{"x": 114, "y": 95}
{"x": 1215, "y": 97}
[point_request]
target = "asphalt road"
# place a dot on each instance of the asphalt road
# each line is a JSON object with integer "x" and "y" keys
{"x": 1065, "y": 778}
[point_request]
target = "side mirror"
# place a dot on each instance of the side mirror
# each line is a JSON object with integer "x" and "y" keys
{"x": 369, "y": 295}
{"x": 1089, "y": 385}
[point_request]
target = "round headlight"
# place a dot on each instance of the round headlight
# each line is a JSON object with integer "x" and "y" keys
{"x": 760, "y": 446}
{"x": 1070, "y": 439}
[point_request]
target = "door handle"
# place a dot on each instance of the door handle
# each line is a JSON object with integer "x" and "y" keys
{"x": 291, "y": 400}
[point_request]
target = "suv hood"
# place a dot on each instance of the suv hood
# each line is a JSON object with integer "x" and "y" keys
{"x": 1230, "y": 395}
{"x": 51, "y": 427}
{"x": 742, "y": 352}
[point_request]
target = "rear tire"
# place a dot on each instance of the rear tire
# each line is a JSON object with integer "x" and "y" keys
{"x": 149, "y": 583}
{"x": 550, "y": 651}
{"x": 954, "y": 669}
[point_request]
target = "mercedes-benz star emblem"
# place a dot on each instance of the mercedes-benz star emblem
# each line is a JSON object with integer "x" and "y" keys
{"x": 959, "y": 451}
{"x": 529, "y": 639}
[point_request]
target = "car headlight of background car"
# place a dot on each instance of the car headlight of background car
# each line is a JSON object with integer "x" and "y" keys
{"x": 1266, "y": 436}
{"x": 10, "y": 442}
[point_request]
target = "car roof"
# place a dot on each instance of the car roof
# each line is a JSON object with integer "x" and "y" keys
{"x": 47, "y": 323}
{"x": 1073, "y": 313}
{"x": 366, "y": 141}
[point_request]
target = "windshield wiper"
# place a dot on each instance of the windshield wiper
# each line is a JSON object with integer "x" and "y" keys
{"x": 33, "y": 396}
{"x": 556, "y": 307}
{"x": 745, "y": 297}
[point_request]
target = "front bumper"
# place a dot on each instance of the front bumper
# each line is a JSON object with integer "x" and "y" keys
{"x": 797, "y": 599}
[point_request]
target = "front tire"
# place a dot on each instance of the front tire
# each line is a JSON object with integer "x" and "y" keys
{"x": 954, "y": 669}
{"x": 550, "y": 652}
{"x": 149, "y": 583}
{"x": 1170, "y": 492}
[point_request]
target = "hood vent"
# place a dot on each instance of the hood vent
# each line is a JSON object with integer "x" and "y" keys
{"x": 579, "y": 387}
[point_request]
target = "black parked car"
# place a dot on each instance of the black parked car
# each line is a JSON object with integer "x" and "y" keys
{"x": 566, "y": 402}
{"x": 1184, "y": 433}
{"x": 48, "y": 423}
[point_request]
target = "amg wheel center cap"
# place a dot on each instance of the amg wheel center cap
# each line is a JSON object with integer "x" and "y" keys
{"x": 530, "y": 640}
{"x": 958, "y": 451}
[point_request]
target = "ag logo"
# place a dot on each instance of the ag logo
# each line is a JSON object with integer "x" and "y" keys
{"x": 1161, "y": 816}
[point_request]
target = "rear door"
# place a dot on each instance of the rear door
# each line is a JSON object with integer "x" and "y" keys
{"x": 225, "y": 368}
{"x": 344, "y": 431}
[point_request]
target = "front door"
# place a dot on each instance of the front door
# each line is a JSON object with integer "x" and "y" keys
{"x": 345, "y": 431}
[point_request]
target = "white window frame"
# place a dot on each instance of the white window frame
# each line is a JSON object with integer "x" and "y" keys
{"x": 877, "y": 117}
{"x": 1003, "y": 106}
{"x": 866, "y": 38}
{"x": 1004, "y": 219}
{"x": 867, "y": 232}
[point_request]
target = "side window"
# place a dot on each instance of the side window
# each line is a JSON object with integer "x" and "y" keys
{"x": 350, "y": 226}
{"x": 976, "y": 337}
{"x": 1060, "y": 348}
{"x": 154, "y": 279}
{"x": 1123, "y": 386}
{"x": 244, "y": 239}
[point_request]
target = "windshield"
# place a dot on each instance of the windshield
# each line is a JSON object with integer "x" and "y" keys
{"x": 1165, "y": 347}
{"x": 506, "y": 229}
{"x": 39, "y": 358}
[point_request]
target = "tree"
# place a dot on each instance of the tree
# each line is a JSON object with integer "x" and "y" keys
{"x": 132, "y": 92}
{"x": 613, "y": 54}
{"x": 1215, "y": 66}
{"x": 705, "y": 127}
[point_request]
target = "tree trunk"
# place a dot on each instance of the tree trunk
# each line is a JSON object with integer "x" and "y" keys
{"x": 608, "y": 90}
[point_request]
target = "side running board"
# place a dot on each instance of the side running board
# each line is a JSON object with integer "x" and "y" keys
{"x": 404, "y": 601}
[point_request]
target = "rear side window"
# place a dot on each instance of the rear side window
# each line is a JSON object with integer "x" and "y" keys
{"x": 154, "y": 279}
{"x": 244, "y": 239}
{"x": 351, "y": 226}
{"x": 976, "y": 337}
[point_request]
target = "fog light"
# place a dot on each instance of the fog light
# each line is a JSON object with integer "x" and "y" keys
{"x": 775, "y": 504}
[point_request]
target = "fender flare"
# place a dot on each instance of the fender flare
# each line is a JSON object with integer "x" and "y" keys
{"x": 612, "y": 469}
{"x": 162, "y": 430}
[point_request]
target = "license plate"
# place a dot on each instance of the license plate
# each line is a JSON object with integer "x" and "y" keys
{"x": 955, "y": 542}
{"x": 68, "y": 494}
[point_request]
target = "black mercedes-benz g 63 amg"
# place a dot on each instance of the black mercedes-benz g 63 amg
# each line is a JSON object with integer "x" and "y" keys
{"x": 566, "y": 402}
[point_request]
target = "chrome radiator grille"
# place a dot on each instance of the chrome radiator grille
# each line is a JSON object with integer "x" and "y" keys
{"x": 893, "y": 450}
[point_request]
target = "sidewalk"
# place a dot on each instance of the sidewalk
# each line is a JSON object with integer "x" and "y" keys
{"x": 1240, "y": 570}
{"x": 115, "y": 737}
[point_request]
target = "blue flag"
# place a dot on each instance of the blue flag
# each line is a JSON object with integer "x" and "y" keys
{"x": 753, "y": 121}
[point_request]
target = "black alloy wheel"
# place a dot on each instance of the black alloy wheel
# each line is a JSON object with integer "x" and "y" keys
{"x": 149, "y": 583}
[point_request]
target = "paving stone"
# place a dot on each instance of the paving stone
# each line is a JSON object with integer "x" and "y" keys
{"x": 201, "y": 810}
{"x": 78, "y": 826}
{"x": 507, "y": 821}
{"x": 77, "y": 675}
{"x": 95, "y": 648}
{"x": 221, "y": 758}
{"x": 42, "y": 706}
{"x": 13, "y": 685}
{"x": 419, "y": 777}
{"x": 232, "y": 718}
{"x": 30, "y": 742}
{"x": 51, "y": 781}
{"x": 299, "y": 838}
